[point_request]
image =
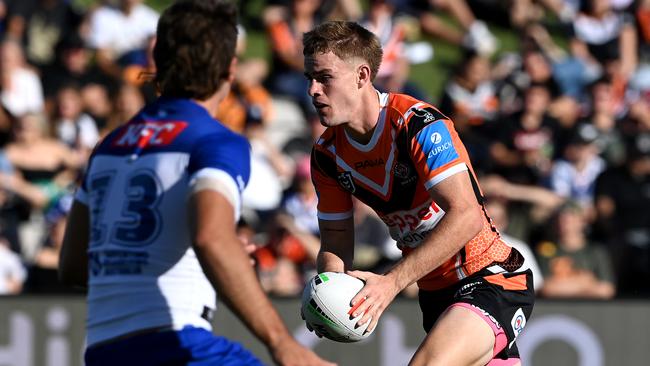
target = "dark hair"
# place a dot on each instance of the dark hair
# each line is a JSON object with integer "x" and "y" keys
{"x": 346, "y": 40}
{"x": 195, "y": 45}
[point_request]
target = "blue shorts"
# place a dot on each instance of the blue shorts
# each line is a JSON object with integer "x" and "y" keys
{"x": 189, "y": 346}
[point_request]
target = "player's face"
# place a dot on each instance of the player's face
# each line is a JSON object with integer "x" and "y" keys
{"x": 333, "y": 87}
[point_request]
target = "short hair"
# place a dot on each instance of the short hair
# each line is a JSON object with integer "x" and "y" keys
{"x": 346, "y": 40}
{"x": 195, "y": 44}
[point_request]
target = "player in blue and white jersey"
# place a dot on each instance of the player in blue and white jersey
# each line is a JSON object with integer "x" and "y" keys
{"x": 152, "y": 229}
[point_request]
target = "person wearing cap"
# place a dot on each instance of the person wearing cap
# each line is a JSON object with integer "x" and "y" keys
{"x": 574, "y": 175}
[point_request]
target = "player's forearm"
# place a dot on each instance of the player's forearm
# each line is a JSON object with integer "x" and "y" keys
{"x": 337, "y": 246}
{"x": 227, "y": 267}
{"x": 456, "y": 228}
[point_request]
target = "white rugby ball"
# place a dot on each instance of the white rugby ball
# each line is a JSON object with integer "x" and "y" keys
{"x": 326, "y": 306}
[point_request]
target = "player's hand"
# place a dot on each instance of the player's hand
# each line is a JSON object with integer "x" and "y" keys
{"x": 291, "y": 353}
{"x": 378, "y": 292}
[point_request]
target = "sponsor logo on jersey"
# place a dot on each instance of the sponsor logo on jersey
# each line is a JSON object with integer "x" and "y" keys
{"x": 438, "y": 149}
{"x": 436, "y": 138}
{"x": 436, "y": 142}
{"x": 345, "y": 180}
{"x": 149, "y": 134}
{"x": 518, "y": 322}
{"x": 368, "y": 163}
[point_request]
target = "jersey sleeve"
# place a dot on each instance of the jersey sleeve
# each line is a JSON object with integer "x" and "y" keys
{"x": 334, "y": 203}
{"x": 435, "y": 147}
{"x": 225, "y": 158}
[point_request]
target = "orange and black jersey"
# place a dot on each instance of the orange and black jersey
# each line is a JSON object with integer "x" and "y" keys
{"x": 413, "y": 148}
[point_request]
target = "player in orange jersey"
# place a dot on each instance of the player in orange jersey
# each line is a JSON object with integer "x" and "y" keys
{"x": 403, "y": 158}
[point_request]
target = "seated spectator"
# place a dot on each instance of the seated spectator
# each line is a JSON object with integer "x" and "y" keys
{"x": 74, "y": 66}
{"x": 574, "y": 267}
{"x": 15, "y": 194}
{"x": 42, "y": 273}
{"x": 72, "y": 126}
{"x": 21, "y": 88}
{"x": 392, "y": 31}
{"x": 622, "y": 201}
{"x": 469, "y": 98}
{"x": 498, "y": 211}
{"x": 40, "y": 24}
{"x": 248, "y": 101}
{"x": 605, "y": 119}
{"x": 285, "y": 27}
{"x": 121, "y": 35}
{"x": 12, "y": 271}
{"x": 523, "y": 149}
{"x": 41, "y": 160}
{"x": 271, "y": 174}
{"x": 128, "y": 101}
{"x": 529, "y": 207}
{"x": 605, "y": 37}
{"x": 574, "y": 176}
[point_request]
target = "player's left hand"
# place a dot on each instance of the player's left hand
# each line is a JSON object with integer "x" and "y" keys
{"x": 378, "y": 292}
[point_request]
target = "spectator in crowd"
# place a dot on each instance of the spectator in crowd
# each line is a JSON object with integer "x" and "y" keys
{"x": 574, "y": 176}
{"x": 248, "y": 100}
{"x": 285, "y": 26}
{"x": 121, "y": 35}
{"x": 42, "y": 273}
{"x": 572, "y": 265}
{"x": 523, "y": 151}
{"x": 74, "y": 65}
{"x": 128, "y": 101}
{"x": 40, "y": 24}
{"x": 622, "y": 201}
{"x": 498, "y": 210}
{"x": 271, "y": 174}
{"x": 41, "y": 160}
{"x": 12, "y": 271}
{"x": 529, "y": 207}
{"x": 470, "y": 96}
{"x": 72, "y": 126}
{"x": 603, "y": 117}
{"x": 392, "y": 32}
{"x": 606, "y": 38}
{"x": 21, "y": 88}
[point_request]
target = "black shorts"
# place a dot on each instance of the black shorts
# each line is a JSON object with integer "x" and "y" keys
{"x": 504, "y": 300}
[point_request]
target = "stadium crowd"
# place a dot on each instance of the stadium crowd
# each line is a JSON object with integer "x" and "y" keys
{"x": 558, "y": 131}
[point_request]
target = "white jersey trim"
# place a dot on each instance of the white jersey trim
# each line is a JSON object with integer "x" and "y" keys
{"x": 219, "y": 181}
{"x": 334, "y": 216}
{"x": 461, "y": 167}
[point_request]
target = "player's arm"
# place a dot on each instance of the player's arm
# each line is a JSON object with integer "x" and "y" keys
{"x": 227, "y": 266}
{"x": 337, "y": 245}
{"x": 461, "y": 222}
{"x": 73, "y": 260}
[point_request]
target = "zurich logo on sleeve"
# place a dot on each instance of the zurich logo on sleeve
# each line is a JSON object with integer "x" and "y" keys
{"x": 437, "y": 145}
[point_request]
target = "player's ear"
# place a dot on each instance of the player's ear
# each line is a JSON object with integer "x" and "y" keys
{"x": 364, "y": 75}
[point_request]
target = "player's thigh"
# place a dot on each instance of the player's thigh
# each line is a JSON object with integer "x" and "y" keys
{"x": 459, "y": 337}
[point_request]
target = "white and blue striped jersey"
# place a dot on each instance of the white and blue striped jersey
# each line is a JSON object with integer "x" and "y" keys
{"x": 143, "y": 272}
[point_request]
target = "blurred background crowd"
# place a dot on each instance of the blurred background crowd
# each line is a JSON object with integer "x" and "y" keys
{"x": 551, "y": 97}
